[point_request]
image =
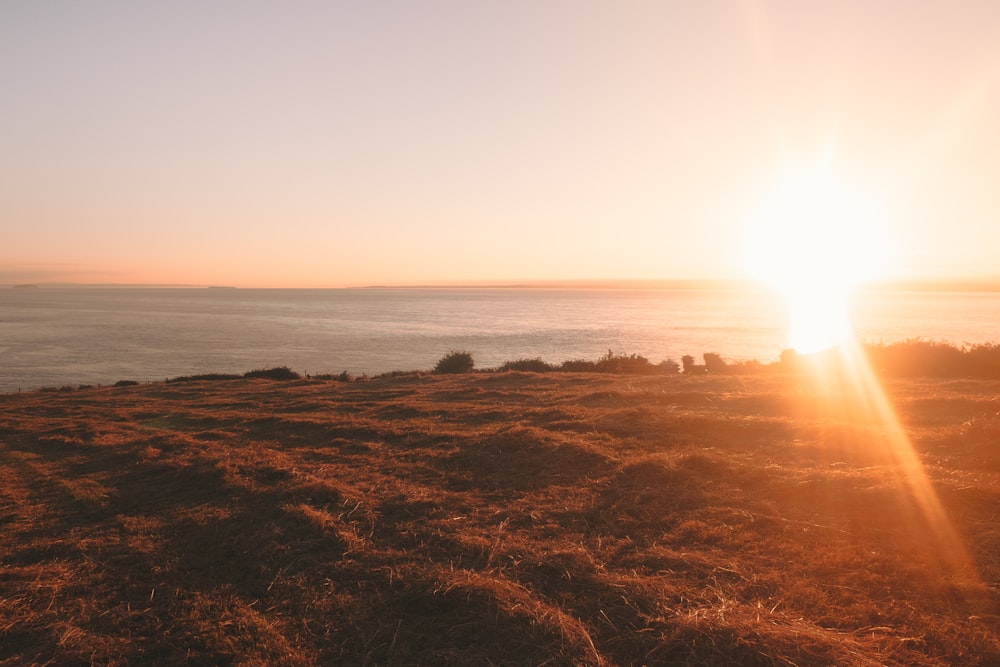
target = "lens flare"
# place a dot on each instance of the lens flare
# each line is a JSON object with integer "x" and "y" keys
{"x": 841, "y": 383}
{"x": 815, "y": 242}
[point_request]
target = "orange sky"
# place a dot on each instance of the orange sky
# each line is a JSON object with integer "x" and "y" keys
{"x": 328, "y": 144}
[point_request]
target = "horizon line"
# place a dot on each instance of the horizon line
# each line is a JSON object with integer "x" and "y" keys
{"x": 980, "y": 284}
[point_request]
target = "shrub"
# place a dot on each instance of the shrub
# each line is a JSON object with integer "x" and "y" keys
{"x": 984, "y": 360}
{"x": 909, "y": 358}
{"x": 578, "y": 366}
{"x": 634, "y": 364}
{"x": 789, "y": 359}
{"x": 277, "y": 373}
{"x": 624, "y": 363}
{"x": 921, "y": 357}
{"x": 530, "y": 365}
{"x": 454, "y": 362}
{"x": 126, "y": 383}
{"x": 669, "y": 367}
{"x": 205, "y": 376}
{"x": 689, "y": 366}
{"x": 714, "y": 363}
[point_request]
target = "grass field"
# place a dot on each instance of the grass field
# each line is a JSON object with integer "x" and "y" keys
{"x": 502, "y": 519}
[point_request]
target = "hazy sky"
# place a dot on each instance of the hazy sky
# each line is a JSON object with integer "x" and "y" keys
{"x": 333, "y": 143}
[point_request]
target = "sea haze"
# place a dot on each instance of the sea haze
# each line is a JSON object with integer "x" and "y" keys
{"x": 58, "y": 336}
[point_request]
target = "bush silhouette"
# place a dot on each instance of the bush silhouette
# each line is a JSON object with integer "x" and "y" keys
{"x": 690, "y": 366}
{"x": 624, "y": 363}
{"x": 578, "y": 366}
{"x": 532, "y": 365}
{"x": 455, "y": 362}
{"x": 714, "y": 363}
{"x": 669, "y": 367}
{"x": 917, "y": 357}
{"x": 278, "y": 373}
{"x": 908, "y": 358}
{"x": 205, "y": 376}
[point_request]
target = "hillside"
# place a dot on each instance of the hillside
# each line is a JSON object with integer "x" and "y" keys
{"x": 501, "y": 519}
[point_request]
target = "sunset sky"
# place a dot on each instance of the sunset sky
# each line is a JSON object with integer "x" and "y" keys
{"x": 322, "y": 144}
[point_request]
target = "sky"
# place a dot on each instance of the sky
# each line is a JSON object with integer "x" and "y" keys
{"x": 327, "y": 144}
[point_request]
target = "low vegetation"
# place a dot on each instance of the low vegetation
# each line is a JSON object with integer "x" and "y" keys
{"x": 920, "y": 357}
{"x": 909, "y": 358}
{"x": 611, "y": 363}
{"x": 500, "y": 518}
{"x": 455, "y": 362}
{"x": 278, "y": 373}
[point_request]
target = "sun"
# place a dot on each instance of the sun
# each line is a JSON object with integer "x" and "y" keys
{"x": 816, "y": 241}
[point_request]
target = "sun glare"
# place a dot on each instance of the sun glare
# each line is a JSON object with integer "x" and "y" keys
{"x": 816, "y": 242}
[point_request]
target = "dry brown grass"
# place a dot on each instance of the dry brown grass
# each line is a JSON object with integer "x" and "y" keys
{"x": 496, "y": 519}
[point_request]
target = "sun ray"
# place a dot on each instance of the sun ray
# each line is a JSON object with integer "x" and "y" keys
{"x": 816, "y": 241}
{"x": 842, "y": 383}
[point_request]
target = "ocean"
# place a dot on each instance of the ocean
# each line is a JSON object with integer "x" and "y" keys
{"x": 80, "y": 335}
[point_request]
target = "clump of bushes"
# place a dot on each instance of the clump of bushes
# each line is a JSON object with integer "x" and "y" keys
{"x": 714, "y": 363}
{"x": 634, "y": 364}
{"x": 631, "y": 364}
{"x": 455, "y": 362}
{"x": 624, "y": 363}
{"x": 908, "y": 358}
{"x": 213, "y": 377}
{"x": 527, "y": 365}
{"x": 277, "y": 373}
{"x": 929, "y": 358}
{"x": 689, "y": 366}
{"x": 578, "y": 366}
{"x": 669, "y": 367}
{"x": 126, "y": 383}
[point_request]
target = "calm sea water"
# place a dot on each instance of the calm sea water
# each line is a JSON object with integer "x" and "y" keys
{"x": 57, "y": 336}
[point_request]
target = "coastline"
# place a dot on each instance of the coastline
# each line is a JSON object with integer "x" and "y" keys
{"x": 55, "y": 337}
